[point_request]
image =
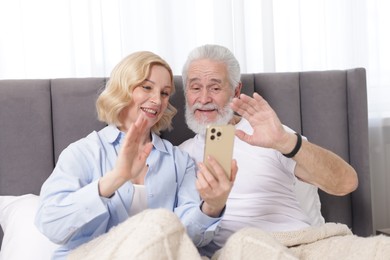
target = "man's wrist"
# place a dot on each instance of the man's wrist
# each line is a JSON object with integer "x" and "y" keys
{"x": 206, "y": 209}
{"x": 296, "y": 148}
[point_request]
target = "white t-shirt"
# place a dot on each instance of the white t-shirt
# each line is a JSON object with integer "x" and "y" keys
{"x": 263, "y": 195}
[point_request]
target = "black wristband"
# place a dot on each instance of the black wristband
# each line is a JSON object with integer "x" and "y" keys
{"x": 296, "y": 148}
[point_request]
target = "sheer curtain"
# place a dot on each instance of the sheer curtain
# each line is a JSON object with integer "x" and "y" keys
{"x": 86, "y": 38}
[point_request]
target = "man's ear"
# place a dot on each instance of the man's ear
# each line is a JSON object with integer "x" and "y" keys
{"x": 237, "y": 90}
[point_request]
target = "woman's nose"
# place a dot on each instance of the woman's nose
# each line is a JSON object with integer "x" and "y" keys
{"x": 156, "y": 98}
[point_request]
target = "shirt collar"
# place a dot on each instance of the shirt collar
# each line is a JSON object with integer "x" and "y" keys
{"x": 158, "y": 143}
{"x": 113, "y": 134}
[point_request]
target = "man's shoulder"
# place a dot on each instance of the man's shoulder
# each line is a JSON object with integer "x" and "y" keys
{"x": 194, "y": 147}
{"x": 188, "y": 143}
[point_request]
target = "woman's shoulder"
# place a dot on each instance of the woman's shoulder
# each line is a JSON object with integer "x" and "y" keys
{"x": 92, "y": 139}
{"x": 93, "y": 142}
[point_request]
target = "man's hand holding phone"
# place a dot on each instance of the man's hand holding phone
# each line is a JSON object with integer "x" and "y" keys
{"x": 217, "y": 173}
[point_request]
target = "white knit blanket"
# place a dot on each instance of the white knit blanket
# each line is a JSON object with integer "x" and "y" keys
{"x": 158, "y": 234}
{"x": 330, "y": 241}
{"x": 151, "y": 234}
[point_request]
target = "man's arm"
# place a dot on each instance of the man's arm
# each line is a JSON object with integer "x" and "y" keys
{"x": 315, "y": 164}
{"x": 324, "y": 169}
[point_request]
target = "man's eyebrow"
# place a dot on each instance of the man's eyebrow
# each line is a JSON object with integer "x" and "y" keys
{"x": 214, "y": 80}
{"x": 193, "y": 80}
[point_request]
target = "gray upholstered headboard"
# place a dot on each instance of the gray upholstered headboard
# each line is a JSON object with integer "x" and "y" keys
{"x": 39, "y": 118}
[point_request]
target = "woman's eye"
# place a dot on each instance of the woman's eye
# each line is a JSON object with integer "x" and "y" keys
{"x": 165, "y": 94}
{"x": 147, "y": 87}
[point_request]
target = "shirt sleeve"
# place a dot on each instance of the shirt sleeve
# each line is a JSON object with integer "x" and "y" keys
{"x": 70, "y": 206}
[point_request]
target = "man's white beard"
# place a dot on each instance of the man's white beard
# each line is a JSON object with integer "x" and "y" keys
{"x": 199, "y": 127}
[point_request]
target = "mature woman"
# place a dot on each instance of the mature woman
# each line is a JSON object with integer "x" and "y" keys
{"x": 125, "y": 168}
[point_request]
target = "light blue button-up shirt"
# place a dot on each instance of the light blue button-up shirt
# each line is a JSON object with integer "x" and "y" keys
{"x": 71, "y": 212}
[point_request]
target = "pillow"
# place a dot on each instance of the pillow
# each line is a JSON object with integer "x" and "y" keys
{"x": 22, "y": 240}
{"x": 309, "y": 200}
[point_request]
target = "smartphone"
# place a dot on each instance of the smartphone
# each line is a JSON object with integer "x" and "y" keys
{"x": 219, "y": 144}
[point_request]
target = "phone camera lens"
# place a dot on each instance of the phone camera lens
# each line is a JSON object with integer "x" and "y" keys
{"x": 213, "y": 130}
{"x": 219, "y": 134}
{"x": 212, "y": 137}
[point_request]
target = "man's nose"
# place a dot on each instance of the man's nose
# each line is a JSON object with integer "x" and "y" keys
{"x": 204, "y": 96}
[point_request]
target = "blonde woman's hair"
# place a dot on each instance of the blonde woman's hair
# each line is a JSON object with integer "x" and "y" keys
{"x": 129, "y": 73}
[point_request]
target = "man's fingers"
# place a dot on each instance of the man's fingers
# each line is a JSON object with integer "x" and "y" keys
{"x": 219, "y": 172}
{"x": 245, "y": 137}
{"x": 245, "y": 105}
{"x": 234, "y": 170}
{"x": 207, "y": 174}
{"x": 201, "y": 182}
